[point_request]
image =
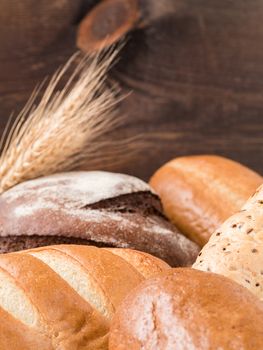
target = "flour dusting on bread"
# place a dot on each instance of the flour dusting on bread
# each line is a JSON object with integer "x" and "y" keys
{"x": 83, "y": 187}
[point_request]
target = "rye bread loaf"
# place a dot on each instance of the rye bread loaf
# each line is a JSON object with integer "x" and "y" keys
{"x": 235, "y": 249}
{"x": 63, "y": 297}
{"x": 186, "y": 309}
{"x": 200, "y": 192}
{"x": 100, "y": 208}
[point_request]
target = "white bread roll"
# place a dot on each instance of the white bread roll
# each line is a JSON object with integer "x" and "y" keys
{"x": 63, "y": 296}
{"x": 235, "y": 250}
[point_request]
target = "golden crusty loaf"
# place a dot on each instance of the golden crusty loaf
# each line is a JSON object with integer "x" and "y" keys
{"x": 236, "y": 248}
{"x": 65, "y": 294}
{"x": 200, "y": 192}
{"x": 90, "y": 207}
{"x": 186, "y": 309}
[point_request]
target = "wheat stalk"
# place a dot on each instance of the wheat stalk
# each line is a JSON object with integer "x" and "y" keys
{"x": 66, "y": 129}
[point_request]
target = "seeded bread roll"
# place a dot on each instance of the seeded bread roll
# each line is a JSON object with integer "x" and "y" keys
{"x": 200, "y": 192}
{"x": 90, "y": 208}
{"x": 186, "y": 309}
{"x": 235, "y": 250}
{"x": 63, "y": 297}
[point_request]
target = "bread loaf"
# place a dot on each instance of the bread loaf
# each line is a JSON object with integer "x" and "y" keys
{"x": 236, "y": 248}
{"x": 64, "y": 296}
{"x": 186, "y": 309}
{"x": 200, "y": 192}
{"x": 90, "y": 208}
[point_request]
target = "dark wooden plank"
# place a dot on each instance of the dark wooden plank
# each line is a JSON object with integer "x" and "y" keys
{"x": 195, "y": 69}
{"x": 197, "y": 77}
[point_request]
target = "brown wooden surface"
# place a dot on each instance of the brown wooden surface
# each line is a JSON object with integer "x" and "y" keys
{"x": 195, "y": 68}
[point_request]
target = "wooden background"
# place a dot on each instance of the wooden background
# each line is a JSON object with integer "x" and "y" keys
{"x": 195, "y": 68}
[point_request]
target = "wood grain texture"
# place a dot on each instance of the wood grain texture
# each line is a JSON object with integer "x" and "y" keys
{"x": 194, "y": 68}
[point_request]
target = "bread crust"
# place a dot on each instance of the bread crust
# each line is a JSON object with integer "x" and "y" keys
{"x": 235, "y": 249}
{"x": 200, "y": 192}
{"x": 185, "y": 309}
{"x": 70, "y": 322}
{"x": 14, "y": 335}
{"x": 52, "y": 308}
{"x": 107, "y": 271}
{"x": 146, "y": 264}
{"x": 127, "y": 215}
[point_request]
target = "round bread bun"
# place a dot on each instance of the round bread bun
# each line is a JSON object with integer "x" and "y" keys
{"x": 99, "y": 208}
{"x": 199, "y": 193}
{"x": 186, "y": 309}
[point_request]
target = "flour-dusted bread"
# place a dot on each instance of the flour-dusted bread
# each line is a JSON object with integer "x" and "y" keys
{"x": 200, "y": 192}
{"x": 63, "y": 297}
{"x": 186, "y": 309}
{"x": 236, "y": 248}
{"x": 90, "y": 208}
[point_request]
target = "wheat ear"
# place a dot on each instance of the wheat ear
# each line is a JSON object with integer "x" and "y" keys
{"x": 66, "y": 128}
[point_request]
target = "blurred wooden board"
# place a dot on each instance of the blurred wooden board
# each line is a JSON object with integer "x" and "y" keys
{"x": 195, "y": 71}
